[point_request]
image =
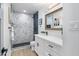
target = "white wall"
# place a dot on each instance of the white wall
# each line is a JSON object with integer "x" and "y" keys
{"x": 0, "y": 12}
{"x": 5, "y": 37}
{"x": 0, "y": 26}
{"x": 71, "y": 37}
{"x": 41, "y": 14}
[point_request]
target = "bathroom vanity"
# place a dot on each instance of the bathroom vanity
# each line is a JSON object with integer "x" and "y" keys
{"x": 48, "y": 45}
{"x": 51, "y": 44}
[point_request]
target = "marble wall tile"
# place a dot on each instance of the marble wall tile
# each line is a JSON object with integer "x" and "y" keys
{"x": 23, "y": 28}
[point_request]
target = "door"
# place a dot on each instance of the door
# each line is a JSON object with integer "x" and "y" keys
{"x": 35, "y": 17}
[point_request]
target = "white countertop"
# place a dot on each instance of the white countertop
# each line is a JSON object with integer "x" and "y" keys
{"x": 53, "y": 39}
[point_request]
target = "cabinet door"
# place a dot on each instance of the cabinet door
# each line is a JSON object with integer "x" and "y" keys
{"x": 38, "y": 46}
{"x": 44, "y": 48}
{"x": 35, "y": 17}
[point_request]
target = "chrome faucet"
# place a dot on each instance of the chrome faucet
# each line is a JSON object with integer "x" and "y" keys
{"x": 44, "y": 32}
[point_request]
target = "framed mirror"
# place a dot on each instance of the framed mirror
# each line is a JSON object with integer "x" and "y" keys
{"x": 53, "y": 20}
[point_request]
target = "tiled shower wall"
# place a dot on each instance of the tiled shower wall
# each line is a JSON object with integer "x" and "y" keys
{"x": 23, "y": 28}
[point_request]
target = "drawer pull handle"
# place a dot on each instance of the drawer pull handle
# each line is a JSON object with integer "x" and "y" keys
{"x": 37, "y": 44}
{"x": 50, "y": 46}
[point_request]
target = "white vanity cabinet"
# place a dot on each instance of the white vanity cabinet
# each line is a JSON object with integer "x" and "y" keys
{"x": 52, "y": 48}
{"x": 45, "y": 47}
{"x": 39, "y": 46}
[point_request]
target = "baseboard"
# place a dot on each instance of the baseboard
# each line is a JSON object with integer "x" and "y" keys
{"x": 21, "y": 44}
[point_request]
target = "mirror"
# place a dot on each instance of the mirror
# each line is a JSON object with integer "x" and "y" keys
{"x": 53, "y": 20}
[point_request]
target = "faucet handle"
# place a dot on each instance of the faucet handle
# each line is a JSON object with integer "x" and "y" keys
{"x": 46, "y": 33}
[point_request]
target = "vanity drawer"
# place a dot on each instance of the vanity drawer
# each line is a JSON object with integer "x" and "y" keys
{"x": 53, "y": 47}
{"x": 52, "y": 53}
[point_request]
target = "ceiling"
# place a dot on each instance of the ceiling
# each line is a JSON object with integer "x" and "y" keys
{"x": 30, "y": 8}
